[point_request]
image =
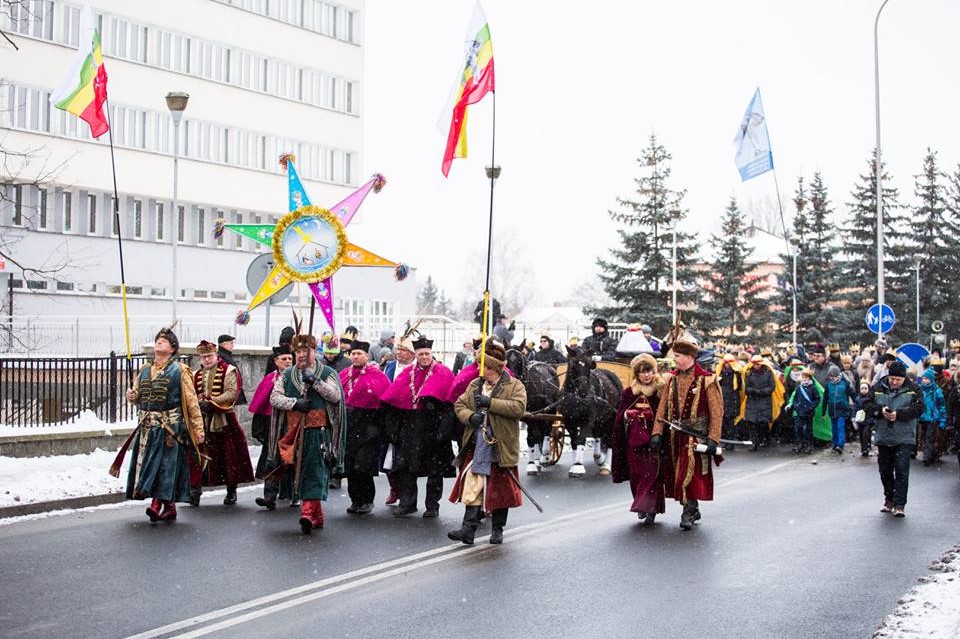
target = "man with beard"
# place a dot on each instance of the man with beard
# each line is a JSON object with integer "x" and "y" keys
{"x": 691, "y": 397}
{"x": 316, "y": 428}
{"x": 420, "y": 399}
{"x": 217, "y": 384}
{"x": 363, "y": 386}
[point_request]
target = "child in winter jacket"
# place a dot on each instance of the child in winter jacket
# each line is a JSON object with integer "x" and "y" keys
{"x": 839, "y": 393}
{"x": 863, "y": 422}
{"x": 804, "y": 403}
{"x": 934, "y": 416}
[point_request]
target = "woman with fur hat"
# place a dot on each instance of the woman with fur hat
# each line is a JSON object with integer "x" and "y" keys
{"x": 633, "y": 458}
{"x": 490, "y": 410}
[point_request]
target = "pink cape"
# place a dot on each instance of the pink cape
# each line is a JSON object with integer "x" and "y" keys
{"x": 367, "y": 389}
{"x": 260, "y": 404}
{"x": 437, "y": 387}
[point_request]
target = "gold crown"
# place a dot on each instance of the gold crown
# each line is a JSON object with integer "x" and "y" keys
{"x": 955, "y": 343}
{"x": 833, "y": 347}
{"x": 855, "y": 347}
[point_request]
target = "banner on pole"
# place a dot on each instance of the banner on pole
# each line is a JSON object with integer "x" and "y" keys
{"x": 754, "y": 156}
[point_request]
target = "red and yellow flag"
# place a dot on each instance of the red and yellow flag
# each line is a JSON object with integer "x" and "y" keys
{"x": 83, "y": 89}
{"x": 475, "y": 82}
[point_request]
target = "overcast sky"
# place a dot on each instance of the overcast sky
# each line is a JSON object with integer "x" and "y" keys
{"x": 582, "y": 85}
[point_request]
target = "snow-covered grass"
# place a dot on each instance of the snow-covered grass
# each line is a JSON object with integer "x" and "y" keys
{"x": 86, "y": 421}
{"x": 931, "y": 608}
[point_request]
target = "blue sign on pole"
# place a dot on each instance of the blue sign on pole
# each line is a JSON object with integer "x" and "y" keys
{"x": 880, "y": 319}
{"x": 912, "y": 354}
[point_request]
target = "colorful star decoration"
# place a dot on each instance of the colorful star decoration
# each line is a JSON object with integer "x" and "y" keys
{"x": 310, "y": 244}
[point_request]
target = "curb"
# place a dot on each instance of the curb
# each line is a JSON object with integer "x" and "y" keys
{"x": 61, "y": 504}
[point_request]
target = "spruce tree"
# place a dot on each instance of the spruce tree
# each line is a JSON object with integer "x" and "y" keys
{"x": 822, "y": 313}
{"x": 933, "y": 234}
{"x": 734, "y": 304}
{"x": 427, "y": 298}
{"x": 638, "y": 274}
{"x": 798, "y": 241}
{"x": 859, "y": 266}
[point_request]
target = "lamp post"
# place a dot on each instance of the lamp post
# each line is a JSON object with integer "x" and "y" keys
{"x": 917, "y": 261}
{"x": 878, "y": 169}
{"x": 176, "y": 103}
{"x": 675, "y": 215}
{"x": 795, "y": 252}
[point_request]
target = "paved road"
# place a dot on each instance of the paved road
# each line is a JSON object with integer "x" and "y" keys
{"x": 789, "y": 549}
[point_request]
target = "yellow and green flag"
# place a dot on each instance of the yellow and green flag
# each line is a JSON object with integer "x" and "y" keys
{"x": 83, "y": 89}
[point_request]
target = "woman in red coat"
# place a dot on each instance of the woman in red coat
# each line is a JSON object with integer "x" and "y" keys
{"x": 633, "y": 458}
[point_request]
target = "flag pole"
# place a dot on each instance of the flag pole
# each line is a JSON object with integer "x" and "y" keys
{"x": 790, "y": 252}
{"x": 116, "y": 220}
{"x": 493, "y": 172}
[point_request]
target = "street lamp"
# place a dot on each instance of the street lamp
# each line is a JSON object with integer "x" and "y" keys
{"x": 176, "y": 103}
{"x": 795, "y": 252}
{"x": 917, "y": 261}
{"x": 879, "y": 171}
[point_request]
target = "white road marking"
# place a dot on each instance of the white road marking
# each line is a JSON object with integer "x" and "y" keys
{"x": 286, "y": 599}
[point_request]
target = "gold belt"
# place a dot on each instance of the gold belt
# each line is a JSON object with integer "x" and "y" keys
{"x": 159, "y": 418}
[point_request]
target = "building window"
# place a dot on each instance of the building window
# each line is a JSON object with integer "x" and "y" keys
{"x": 42, "y": 210}
{"x": 158, "y": 292}
{"x": 91, "y": 214}
{"x": 31, "y": 18}
{"x": 159, "y": 221}
{"x": 219, "y": 216}
{"x": 115, "y": 225}
{"x": 199, "y": 294}
{"x": 36, "y": 285}
{"x": 218, "y": 295}
{"x": 201, "y": 237}
{"x": 18, "y": 205}
{"x": 67, "y": 212}
{"x": 138, "y": 219}
{"x": 239, "y": 297}
{"x": 181, "y": 215}
{"x": 238, "y": 239}
{"x": 64, "y": 286}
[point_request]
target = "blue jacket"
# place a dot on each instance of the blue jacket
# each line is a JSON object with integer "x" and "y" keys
{"x": 839, "y": 394}
{"x": 805, "y": 400}
{"x": 935, "y": 406}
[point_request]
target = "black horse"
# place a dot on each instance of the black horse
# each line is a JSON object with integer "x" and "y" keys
{"x": 589, "y": 404}
{"x": 543, "y": 392}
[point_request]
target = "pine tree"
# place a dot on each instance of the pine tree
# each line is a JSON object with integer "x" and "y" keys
{"x": 427, "y": 298}
{"x": 798, "y": 240}
{"x": 859, "y": 266}
{"x": 933, "y": 236}
{"x": 952, "y": 276}
{"x": 822, "y": 312}
{"x": 638, "y": 277}
{"x": 734, "y": 302}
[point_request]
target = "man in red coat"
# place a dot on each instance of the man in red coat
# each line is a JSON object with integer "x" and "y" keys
{"x": 691, "y": 397}
{"x": 218, "y": 385}
{"x": 363, "y": 386}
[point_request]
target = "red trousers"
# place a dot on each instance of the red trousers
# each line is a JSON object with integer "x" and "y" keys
{"x": 312, "y": 509}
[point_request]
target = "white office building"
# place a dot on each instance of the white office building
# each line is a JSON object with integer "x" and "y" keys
{"x": 265, "y": 77}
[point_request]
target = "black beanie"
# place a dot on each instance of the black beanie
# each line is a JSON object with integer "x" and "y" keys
{"x": 897, "y": 369}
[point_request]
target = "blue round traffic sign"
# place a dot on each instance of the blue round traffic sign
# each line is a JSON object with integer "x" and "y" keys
{"x": 880, "y": 319}
{"x": 912, "y": 354}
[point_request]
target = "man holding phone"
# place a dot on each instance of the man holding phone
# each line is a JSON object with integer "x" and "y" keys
{"x": 897, "y": 403}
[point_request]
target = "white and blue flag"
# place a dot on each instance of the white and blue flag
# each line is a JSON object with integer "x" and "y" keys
{"x": 754, "y": 156}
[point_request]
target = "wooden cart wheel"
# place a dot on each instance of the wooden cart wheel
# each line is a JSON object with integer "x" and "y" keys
{"x": 557, "y": 433}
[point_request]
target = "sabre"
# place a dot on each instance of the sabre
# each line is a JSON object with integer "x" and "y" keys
{"x": 525, "y": 491}
{"x": 692, "y": 433}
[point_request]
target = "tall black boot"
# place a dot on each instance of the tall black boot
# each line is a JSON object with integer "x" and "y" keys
{"x": 468, "y": 530}
{"x": 231, "y": 497}
{"x": 499, "y": 520}
{"x": 691, "y": 513}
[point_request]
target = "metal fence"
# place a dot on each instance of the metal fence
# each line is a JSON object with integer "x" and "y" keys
{"x": 49, "y": 390}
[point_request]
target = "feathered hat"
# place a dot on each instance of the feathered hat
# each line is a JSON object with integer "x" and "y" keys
{"x": 300, "y": 341}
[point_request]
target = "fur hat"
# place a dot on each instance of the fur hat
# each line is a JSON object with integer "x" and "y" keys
{"x": 299, "y": 342}
{"x": 205, "y": 347}
{"x": 685, "y": 347}
{"x": 599, "y": 322}
{"x": 495, "y": 353}
{"x": 171, "y": 337}
{"x": 817, "y": 349}
{"x": 643, "y": 358}
{"x": 283, "y": 349}
{"x": 357, "y": 345}
{"x": 286, "y": 335}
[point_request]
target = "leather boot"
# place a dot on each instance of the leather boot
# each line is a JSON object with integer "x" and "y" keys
{"x": 169, "y": 511}
{"x": 195, "y": 496}
{"x": 690, "y": 514}
{"x": 498, "y": 521}
{"x": 231, "y": 497}
{"x": 468, "y": 530}
{"x": 153, "y": 510}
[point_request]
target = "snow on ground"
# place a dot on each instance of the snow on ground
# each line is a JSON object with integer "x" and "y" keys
{"x": 26, "y": 480}
{"x": 930, "y": 609}
{"x": 85, "y": 421}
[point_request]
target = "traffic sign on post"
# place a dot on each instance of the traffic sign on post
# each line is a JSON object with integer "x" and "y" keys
{"x": 912, "y": 354}
{"x": 880, "y": 319}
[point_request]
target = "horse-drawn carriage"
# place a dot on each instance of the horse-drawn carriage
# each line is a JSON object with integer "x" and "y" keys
{"x": 570, "y": 401}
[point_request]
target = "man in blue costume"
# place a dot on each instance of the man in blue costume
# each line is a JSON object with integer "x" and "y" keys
{"x": 169, "y": 429}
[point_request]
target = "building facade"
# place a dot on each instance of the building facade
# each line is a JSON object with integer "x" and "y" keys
{"x": 265, "y": 77}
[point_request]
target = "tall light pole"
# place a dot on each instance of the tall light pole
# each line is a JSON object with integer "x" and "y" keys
{"x": 796, "y": 251}
{"x": 176, "y": 103}
{"x": 675, "y": 215}
{"x": 879, "y": 170}
{"x": 917, "y": 261}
